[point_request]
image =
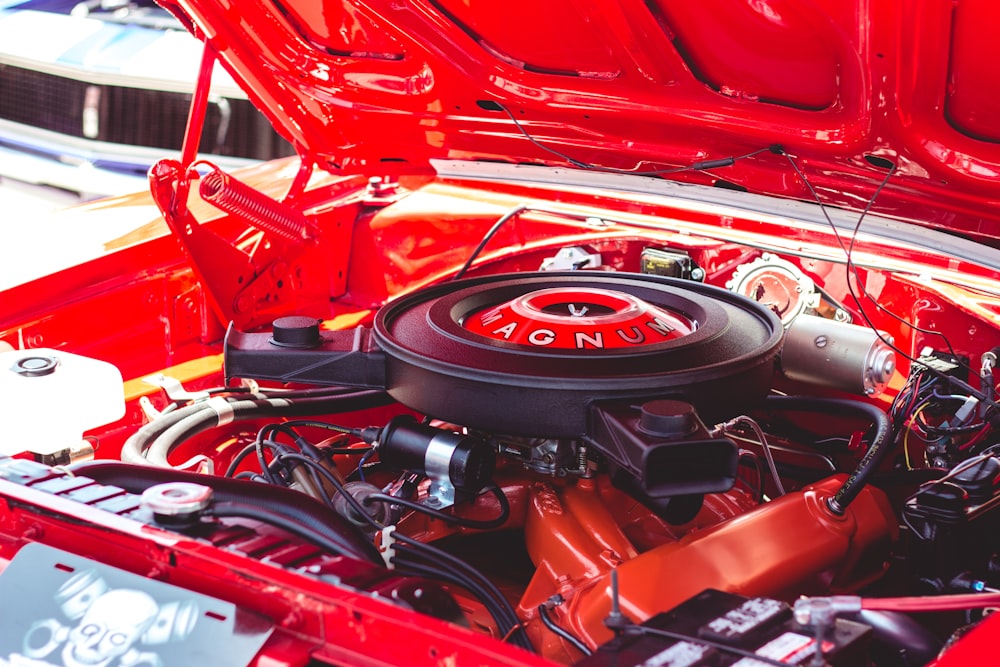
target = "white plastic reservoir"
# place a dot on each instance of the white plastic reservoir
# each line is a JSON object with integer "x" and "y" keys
{"x": 48, "y": 398}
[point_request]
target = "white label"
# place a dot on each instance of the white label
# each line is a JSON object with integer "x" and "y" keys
{"x": 682, "y": 654}
{"x": 790, "y": 648}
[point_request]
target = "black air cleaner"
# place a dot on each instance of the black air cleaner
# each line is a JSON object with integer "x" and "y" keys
{"x": 529, "y": 354}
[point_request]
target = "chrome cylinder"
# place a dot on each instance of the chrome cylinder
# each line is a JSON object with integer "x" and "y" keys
{"x": 838, "y": 355}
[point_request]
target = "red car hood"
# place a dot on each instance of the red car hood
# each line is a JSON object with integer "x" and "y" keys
{"x": 845, "y": 88}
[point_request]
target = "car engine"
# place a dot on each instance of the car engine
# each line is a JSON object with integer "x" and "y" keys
{"x": 550, "y": 444}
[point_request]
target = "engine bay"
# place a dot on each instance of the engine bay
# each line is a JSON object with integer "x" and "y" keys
{"x": 522, "y": 420}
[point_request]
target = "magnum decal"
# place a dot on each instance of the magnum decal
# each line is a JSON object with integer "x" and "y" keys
{"x": 590, "y": 319}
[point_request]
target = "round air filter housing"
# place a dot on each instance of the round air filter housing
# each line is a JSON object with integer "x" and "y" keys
{"x": 527, "y": 354}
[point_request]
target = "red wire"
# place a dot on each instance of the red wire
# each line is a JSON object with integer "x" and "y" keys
{"x": 933, "y": 602}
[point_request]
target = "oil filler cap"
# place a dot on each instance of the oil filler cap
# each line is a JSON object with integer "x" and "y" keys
{"x": 296, "y": 332}
{"x": 666, "y": 418}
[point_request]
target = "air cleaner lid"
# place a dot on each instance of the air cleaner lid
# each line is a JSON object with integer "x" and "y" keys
{"x": 579, "y": 318}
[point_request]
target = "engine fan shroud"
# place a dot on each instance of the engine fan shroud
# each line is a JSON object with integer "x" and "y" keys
{"x": 440, "y": 365}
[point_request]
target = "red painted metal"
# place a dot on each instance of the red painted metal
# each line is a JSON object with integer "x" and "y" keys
{"x": 199, "y": 103}
{"x": 791, "y": 546}
{"x": 312, "y": 619}
{"x": 977, "y": 648}
{"x": 255, "y": 269}
{"x": 578, "y": 532}
{"x": 378, "y": 88}
{"x": 763, "y": 34}
{"x": 572, "y": 319}
{"x": 154, "y": 315}
{"x": 659, "y": 85}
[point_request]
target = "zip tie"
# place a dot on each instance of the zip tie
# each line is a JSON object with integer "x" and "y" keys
{"x": 222, "y": 408}
{"x": 387, "y": 546}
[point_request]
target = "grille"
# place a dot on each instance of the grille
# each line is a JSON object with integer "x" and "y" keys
{"x": 133, "y": 116}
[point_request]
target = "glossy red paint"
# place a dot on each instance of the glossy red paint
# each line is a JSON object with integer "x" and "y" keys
{"x": 312, "y": 621}
{"x": 570, "y": 319}
{"x": 379, "y": 89}
{"x": 817, "y": 551}
{"x": 660, "y": 85}
{"x": 426, "y": 236}
{"x": 976, "y": 649}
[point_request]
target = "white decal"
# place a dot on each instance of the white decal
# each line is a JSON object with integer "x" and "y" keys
{"x": 541, "y": 337}
{"x": 490, "y": 317}
{"x": 582, "y": 339}
{"x": 635, "y": 339}
{"x": 110, "y": 625}
{"x": 507, "y": 330}
{"x": 659, "y": 326}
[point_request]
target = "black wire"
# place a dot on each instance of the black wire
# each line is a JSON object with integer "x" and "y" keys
{"x": 758, "y": 466}
{"x": 300, "y": 441}
{"x": 987, "y": 400}
{"x": 701, "y": 165}
{"x": 294, "y": 423}
{"x": 323, "y": 539}
{"x": 947, "y": 430}
{"x": 852, "y": 267}
{"x": 215, "y": 391}
{"x": 505, "y": 625}
{"x": 460, "y": 572}
{"x": 348, "y": 451}
{"x": 438, "y": 556}
{"x": 364, "y": 459}
{"x": 450, "y": 518}
{"x": 860, "y": 283}
{"x": 646, "y": 630}
{"x": 242, "y": 454}
{"x": 543, "y": 613}
{"x": 320, "y": 487}
{"x": 509, "y": 215}
{"x": 265, "y": 470}
{"x": 330, "y": 477}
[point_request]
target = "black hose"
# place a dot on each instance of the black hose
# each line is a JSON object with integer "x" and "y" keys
{"x": 902, "y": 639}
{"x": 324, "y": 539}
{"x": 482, "y": 524}
{"x": 499, "y": 615}
{"x": 543, "y": 613}
{"x": 872, "y": 459}
{"x": 443, "y": 565}
{"x": 238, "y": 459}
{"x": 291, "y": 504}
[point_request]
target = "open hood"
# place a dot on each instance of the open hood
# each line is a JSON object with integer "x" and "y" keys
{"x": 476, "y": 382}
{"x": 848, "y": 89}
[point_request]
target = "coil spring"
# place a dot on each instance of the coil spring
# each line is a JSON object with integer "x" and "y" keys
{"x": 257, "y": 209}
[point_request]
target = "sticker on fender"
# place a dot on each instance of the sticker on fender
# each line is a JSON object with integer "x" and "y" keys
{"x": 61, "y": 609}
{"x": 790, "y": 648}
